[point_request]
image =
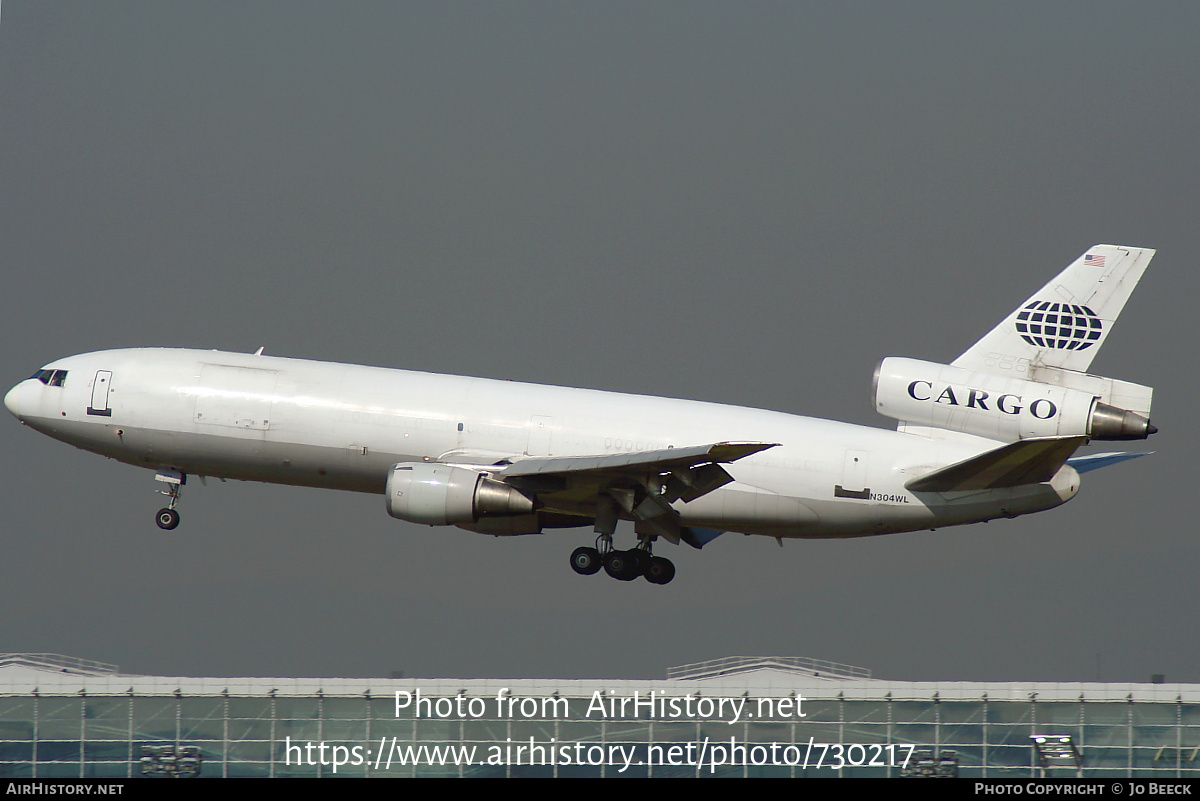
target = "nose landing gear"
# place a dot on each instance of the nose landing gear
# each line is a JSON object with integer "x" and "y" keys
{"x": 167, "y": 518}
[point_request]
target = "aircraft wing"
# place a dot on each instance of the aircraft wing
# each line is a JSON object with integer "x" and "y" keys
{"x": 638, "y": 486}
{"x": 661, "y": 461}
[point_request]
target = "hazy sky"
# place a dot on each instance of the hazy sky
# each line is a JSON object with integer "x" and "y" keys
{"x": 748, "y": 203}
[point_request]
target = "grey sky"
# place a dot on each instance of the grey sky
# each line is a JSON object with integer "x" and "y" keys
{"x": 748, "y": 203}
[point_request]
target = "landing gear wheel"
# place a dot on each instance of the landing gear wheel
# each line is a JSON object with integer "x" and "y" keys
{"x": 660, "y": 570}
{"x": 167, "y": 519}
{"x": 586, "y": 561}
{"x": 622, "y": 566}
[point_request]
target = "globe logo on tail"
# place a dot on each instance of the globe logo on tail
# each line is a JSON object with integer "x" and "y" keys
{"x": 1059, "y": 325}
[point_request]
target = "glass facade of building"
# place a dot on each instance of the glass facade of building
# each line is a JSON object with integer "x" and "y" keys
{"x": 752, "y": 720}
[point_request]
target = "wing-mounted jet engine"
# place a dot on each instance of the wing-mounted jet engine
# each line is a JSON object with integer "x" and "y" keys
{"x": 442, "y": 495}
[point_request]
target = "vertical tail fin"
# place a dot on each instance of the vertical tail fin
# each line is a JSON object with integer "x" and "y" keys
{"x": 1064, "y": 323}
{"x": 1027, "y": 378}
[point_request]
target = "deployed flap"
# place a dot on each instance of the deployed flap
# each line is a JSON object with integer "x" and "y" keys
{"x": 660, "y": 461}
{"x": 1028, "y": 461}
{"x": 635, "y": 486}
{"x": 1065, "y": 322}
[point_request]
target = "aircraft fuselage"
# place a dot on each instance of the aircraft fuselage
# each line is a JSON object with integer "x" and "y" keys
{"x": 341, "y": 426}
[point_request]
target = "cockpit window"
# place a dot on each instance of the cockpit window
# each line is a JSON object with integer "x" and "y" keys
{"x": 51, "y": 378}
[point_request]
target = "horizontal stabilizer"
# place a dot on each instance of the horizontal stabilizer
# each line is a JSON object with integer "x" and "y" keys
{"x": 1027, "y": 461}
{"x": 698, "y": 537}
{"x": 1085, "y": 464}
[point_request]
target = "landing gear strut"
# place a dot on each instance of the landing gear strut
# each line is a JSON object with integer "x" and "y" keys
{"x": 167, "y": 518}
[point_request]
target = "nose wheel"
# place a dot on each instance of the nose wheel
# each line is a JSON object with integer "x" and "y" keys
{"x": 167, "y": 518}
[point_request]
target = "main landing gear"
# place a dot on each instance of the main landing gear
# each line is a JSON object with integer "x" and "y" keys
{"x": 167, "y": 518}
{"x": 622, "y": 565}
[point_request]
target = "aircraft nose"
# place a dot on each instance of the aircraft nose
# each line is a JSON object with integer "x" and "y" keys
{"x": 12, "y": 401}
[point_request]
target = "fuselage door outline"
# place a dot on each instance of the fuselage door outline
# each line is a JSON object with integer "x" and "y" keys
{"x": 99, "y": 404}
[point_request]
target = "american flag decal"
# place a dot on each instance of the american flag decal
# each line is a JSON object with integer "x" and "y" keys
{"x": 1093, "y": 260}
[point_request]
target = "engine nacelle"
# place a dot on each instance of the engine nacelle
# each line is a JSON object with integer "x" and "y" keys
{"x": 442, "y": 495}
{"x": 996, "y": 406}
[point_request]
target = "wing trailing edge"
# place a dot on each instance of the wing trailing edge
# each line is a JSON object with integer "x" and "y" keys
{"x": 663, "y": 460}
{"x": 633, "y": 486}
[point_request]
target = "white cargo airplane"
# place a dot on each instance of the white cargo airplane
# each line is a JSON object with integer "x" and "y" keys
{"x": 990, "y": 435}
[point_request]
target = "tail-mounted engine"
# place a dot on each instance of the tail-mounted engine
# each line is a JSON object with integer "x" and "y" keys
{"x": 442, "y": 495}
{"x": 1005, "y": 407}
